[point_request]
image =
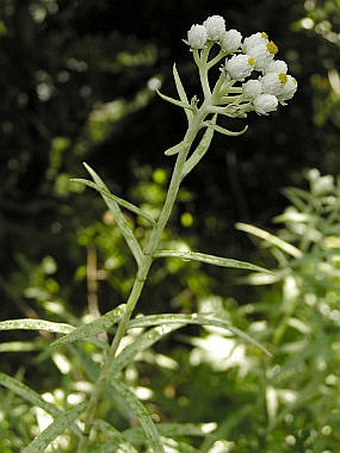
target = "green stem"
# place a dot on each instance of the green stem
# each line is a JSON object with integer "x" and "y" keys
{"x": 143, "y": 270}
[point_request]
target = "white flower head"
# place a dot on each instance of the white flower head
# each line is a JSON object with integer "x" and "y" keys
{"x": 263, "y": 54}
{"x": 255, "y": 40}
{"x": 273, "y": 83}
{"x": 239, "y": 67}
{"x": 251, "y": 89}
{"x": 278, "y": 66}
{"x": 265, "y": 103}
{"x": 197, "y": 37}
{"x": 231, "y": 41}
{"x": 215, "y": 26}
{"x": 288, "y": 89}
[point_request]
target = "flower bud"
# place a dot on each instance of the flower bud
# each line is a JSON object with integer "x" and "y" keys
{"x": 265, "y": 103}
{"x": 273, "y": 83}
{"x": 289, "y": 88}
{"x": 239, "y": 67}
{"x": 261, "y": 55}
{"x": 255, "y": 40}
{"x": 277, "y": 66}
{"x": 197, "y": 37}
{"x": 251, "y": 89}
{"x": 231, "y": 41}
{"x": 215, "y": 26}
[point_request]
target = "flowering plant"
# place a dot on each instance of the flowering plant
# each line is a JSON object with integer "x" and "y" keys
{"x": 250, "y": 79}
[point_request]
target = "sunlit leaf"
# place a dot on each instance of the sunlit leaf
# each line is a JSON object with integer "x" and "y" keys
{"x": 268, "y": 237}
{"x": 36, "y": 324}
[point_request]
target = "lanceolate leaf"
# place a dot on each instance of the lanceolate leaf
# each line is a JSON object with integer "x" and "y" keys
{"x": 93, "y": 328}
{"x": 209, "y": 259}
{"x": 33, "y": 397}
{"x": 125, "y": 204}
{"x": 60, "y": 424}
{"x": 175, "y": 149}
{"x": 185, "y": 105}
{"x": 201, "y": 149}
{"x": 141, "y": 414}
{"x": 181, "y": 92}
{"x": 153, "y": 320}
{"x": 36, "y": 324}
{"x": 123, "y": 225}
{"x": 224, "y": 131}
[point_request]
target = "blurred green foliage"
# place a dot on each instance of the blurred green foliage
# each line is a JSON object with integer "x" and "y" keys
{"x": 78, "y": 83}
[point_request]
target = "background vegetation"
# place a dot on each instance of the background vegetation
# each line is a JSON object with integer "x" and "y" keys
{"x": 78, "y": 84}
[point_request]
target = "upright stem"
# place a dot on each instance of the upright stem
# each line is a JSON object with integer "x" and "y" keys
{"x": 143, "y": 270}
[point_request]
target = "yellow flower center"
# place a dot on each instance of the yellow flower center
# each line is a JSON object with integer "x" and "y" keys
{"x": 264, "y": 35}
{"x": 251, "y": 61}
{"x": 283, "y": 78}
{"x": 272, "y": 47}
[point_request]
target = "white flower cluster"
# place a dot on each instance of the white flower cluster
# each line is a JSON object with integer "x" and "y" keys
{"x": 268, "y": 83}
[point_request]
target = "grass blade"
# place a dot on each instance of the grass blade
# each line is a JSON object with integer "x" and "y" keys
{"x": 123, "y": 225}
{"x": 153, "y": 320}
{"x": 209, "y": 259}
{"x": 268, "y": 237}
{"x": 60, "y": 424}
{"x": 125, "y": 204}
{"x": 142, "y": 415}
{"x": 93, "y": 328}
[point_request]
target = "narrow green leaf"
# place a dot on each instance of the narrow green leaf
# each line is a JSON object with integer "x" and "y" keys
{"x": 201, "y": 149}
{"x": 185, "y": 105}
{"x": 175, "y": 149}
{"x": 33, "y": 397}
{"x": 142, "y": 415}
{"x": 142, "y": 342}
{"x": 268, "y": 237}
{"x": 154, "y": 320}
{"x": 123, "y": 225}
{"x": 55, "y": 429}
{"x": 93, "y": 328}
{"x": 35, "y": 324}
{"x": 125, "y": 204}
{"x": 22, "y": 346}
{"x": 209, "y": 259}
{"x": 115, "y": 442}
{"x": 224, "y": 131}
{"x": 181, "y": 92}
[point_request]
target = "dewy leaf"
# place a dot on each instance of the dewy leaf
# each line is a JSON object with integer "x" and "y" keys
{"x": 60, "y": 424}
{"x": 274, "y": 240}
{"x": 33, "y": 397}
{"x": 224, "y": 131}
{"x": 154, "y": 320}
{"x": 181, "y": 92}
{"x": 185, "y": 105}
{"x": 125, "y": 204}
{"x": 36, "y": 324}
{"x": 123, "y": 225}
{"x": 93, "y": 328}
{"x": 142, "y": 342}
{"x": 141, "y": 414}
{"x": 201, "y": 149}
{"x": 209, "y": 259}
